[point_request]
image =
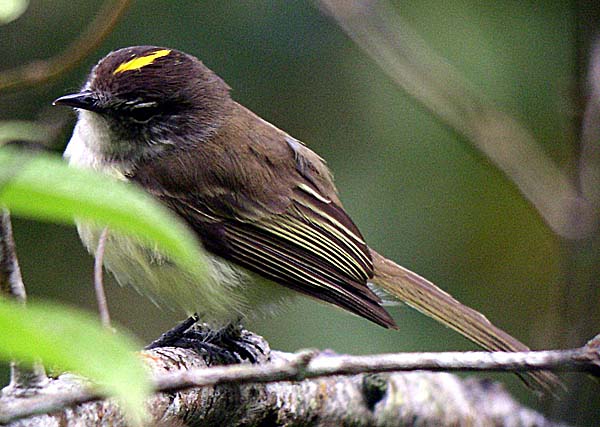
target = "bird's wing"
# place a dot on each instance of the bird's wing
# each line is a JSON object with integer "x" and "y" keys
{"x": 274, "y": 212}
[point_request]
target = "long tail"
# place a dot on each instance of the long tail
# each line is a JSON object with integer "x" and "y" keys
{"x": 424, "y": 296}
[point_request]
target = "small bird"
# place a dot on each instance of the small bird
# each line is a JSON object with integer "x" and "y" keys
{"x": 263, "y": 205}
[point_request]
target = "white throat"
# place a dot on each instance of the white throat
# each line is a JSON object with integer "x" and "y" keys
{"x": 91, "y": 140}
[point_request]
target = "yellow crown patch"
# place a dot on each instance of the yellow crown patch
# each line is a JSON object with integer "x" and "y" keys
{"x": 142, "y": 61}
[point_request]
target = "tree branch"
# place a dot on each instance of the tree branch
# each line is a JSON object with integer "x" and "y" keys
{"x": 285, "y": 388}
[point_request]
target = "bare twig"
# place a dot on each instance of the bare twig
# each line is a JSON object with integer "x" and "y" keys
{"x": 310, "y": 365}
{"x": 11, "y": 286}
{"x": 99, "y": 282}
{"x": 307, "y": 365}
{"x": 42, "y": 71}
{"x": 405, "y": 57}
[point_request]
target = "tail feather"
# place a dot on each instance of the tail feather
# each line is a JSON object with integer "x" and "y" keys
{"x": 424, "y": 296}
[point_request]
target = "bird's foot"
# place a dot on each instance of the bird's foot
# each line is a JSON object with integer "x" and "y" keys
{"x": 228, "y": 345}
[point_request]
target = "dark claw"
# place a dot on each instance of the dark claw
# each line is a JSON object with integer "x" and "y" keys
{"x": 169, "y": 338}
{"x": 223, "y": 346}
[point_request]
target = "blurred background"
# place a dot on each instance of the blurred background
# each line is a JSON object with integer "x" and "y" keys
{"x": 420, "y": 191}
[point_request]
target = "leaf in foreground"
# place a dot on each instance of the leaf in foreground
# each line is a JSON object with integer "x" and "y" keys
{"x": 11, "y": 10}
{"x": 43, "y": 187}
{"x": 71, "y": 340}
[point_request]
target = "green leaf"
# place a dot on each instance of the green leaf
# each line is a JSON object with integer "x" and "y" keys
{"x": 43, "y": 187}
{"x": 11, "y": 10}
{"x": 74, "y": 341}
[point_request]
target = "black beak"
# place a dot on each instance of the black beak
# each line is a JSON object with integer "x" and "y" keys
{"x": 85, "y": 100}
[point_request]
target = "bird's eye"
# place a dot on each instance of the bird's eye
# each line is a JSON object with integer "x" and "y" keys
{"x": 143, "y": 112}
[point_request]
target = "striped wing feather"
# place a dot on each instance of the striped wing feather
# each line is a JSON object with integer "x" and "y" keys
{"x": 308, "y": 248}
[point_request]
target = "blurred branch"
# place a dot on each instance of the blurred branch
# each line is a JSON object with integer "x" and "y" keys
{"x": 405, "y": 57}
{"x": 589, "y": 162}
{"x": 285, "y": 387}
{"x": 42, "y": 71}
{"x": 21, "y": 130}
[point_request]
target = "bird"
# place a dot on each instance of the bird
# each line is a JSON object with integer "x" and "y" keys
{"x": 262, "y": 204}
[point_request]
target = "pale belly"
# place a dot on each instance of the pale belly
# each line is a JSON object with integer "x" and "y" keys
{"x": 230, "y": 294}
